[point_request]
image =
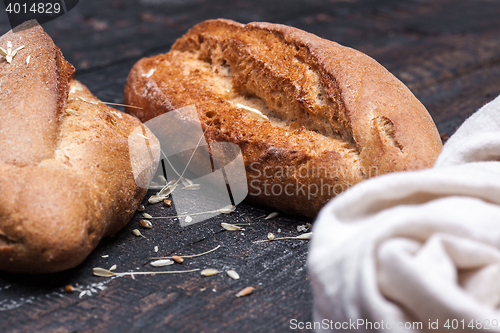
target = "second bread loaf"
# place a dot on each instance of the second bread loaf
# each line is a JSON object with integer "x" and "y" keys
{"x": 311, "y": 117}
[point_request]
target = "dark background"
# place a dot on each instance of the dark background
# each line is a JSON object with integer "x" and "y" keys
{"x": 446, "y": 51}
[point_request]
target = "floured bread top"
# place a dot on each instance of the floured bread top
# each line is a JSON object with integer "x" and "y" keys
{"x": 36, "y": 80}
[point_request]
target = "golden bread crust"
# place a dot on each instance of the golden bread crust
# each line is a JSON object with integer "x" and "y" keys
{"x": 331, "y": 109}
{"x": 58, "y": 200}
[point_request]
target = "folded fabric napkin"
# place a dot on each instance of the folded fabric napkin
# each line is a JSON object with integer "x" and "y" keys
{"x": 416, "y": 251}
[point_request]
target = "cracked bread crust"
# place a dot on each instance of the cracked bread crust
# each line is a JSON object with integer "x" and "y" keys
{"x": 71, "y": 182}
{"x": 336, "y": 116}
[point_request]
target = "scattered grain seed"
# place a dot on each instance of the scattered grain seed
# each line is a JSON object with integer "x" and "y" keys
{"x": 156, "y": 249}
{"x": 166, "y": 191}
{"x": 233, "y": 275}
{"x": 112, "y": 268}
{"x": 192, "y": 187}
{"x": 149, "y": 73}
{"x": 137, "y": 233}
{"x": 132, "y": 276}
{"x": 231, "y": 227}
{"x": 28, "y": 60}
{"x": 186, "y": 182}
{"x": 167, "y": 203}
{"x": 106, "y": 273}
{"x": 270, "y": 236}
{"x": 227, "y": 210}
{"x": 178, "y": 259}
{"x": 105, "y": 256}
{"x": 245, "y": 292}
{"x": 141, "y": 208}
{"x": 88, "y": 101}
{"x": 162, "y": 262}
{"x": 9, "y": 54}
{"x": 147, "y": 216}
{"x": 253, "y": 112}
{"x": 69, "y": 289}
{"x": 272, "y": 215}
{"x": 163, "y": 179}
{"x": 116, "y": 113}
{"x": 145, "y": 224}
{"x": 82, "y": 294}
{"x": 214, "y": 290}
{"x": 71, "y": 112}
{"x": 302, "y": 228}
{"x": 155, "y": 199}
{"x": 209, "y": 272}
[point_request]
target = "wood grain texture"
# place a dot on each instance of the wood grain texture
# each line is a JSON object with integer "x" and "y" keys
{"x": 447, "y": 52}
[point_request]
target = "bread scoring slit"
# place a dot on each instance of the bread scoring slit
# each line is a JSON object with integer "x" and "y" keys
{"x": 386, "y": 126}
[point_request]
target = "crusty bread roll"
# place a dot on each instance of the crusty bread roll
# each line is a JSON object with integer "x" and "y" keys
{"x": 331, "y": 116}
{"x": 65, "y": 173}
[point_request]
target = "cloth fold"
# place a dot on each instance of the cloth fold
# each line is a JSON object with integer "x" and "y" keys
{"x": 416, "y": 251}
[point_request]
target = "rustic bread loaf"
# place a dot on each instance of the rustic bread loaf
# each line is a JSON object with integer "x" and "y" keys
{"x": 65, "y": 173}
{"x": 311, "y": 117}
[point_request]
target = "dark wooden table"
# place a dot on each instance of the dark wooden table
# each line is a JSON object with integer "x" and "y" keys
{"x": 446, "y": 51}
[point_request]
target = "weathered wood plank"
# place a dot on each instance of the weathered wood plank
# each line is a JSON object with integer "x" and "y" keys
{"x": 447, "y": 52}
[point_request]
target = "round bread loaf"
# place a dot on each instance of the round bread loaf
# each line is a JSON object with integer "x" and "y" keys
{"x": 311, "y": 117}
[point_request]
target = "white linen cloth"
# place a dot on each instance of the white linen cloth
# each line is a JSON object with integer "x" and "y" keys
{"x": 416, "y": 247}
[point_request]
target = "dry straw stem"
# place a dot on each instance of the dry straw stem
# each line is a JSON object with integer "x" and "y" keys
{"x": 107, "y": 273}
{"x": 306, "y": 236}
{"x": 109, "y": 103}
{"x": 181, "y": 176}
{"x": 188, "y": 256}
{"x": 225, "y": 210}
